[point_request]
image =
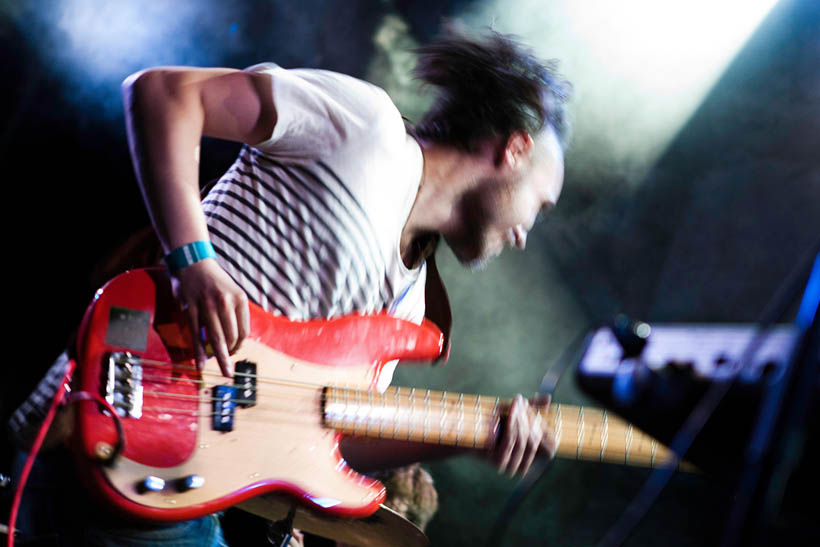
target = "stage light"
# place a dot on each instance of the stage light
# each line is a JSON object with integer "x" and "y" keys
{"x": 94, "y": 44}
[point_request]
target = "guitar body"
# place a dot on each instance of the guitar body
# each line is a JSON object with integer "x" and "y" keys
{"x": 197, "y": 442}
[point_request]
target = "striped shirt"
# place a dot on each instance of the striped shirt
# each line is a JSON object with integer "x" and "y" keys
{"x": 309, "y": 222}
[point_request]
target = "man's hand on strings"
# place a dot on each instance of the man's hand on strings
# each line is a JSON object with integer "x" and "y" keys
{"x": 216, "y": 307}
{"x": 524, "y": 435}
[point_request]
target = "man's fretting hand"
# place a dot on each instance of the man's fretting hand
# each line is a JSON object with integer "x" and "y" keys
{"x": 216, "y": 305}
{"x": 524, "y": 435}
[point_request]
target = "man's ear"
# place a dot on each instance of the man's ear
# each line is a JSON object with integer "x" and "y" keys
{"x": 517, "y": 148}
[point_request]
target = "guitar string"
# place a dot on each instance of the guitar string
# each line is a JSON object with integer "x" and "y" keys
{"x": 358, "y": 394}
{"x": 448, "y": 398}
{"x": 371, "y": 399}
{"x": 487, "y": 401}
{"x": 451, "y": 397}
{"x": 436, "y": 408}
{"x": 376, "y": 399}
{"x": 352, "y": 392}
{"x": 358, "y": 425}
{"x": 365, "y": 422}
{"x": 301, "y": 384}
{"x": 193, "y": 368}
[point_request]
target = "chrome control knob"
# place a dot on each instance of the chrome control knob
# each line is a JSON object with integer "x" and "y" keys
{"x": 151, "y": 484}
{"x": 190, "y": 482}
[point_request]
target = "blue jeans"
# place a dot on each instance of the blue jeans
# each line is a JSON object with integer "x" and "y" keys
{"x": 57, "y": 511}
{"x": 193, "y": 533}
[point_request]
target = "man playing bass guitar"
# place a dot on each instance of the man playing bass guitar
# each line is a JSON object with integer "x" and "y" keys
{"x": 334, "y": 206}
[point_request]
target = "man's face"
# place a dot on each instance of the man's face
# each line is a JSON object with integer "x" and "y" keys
{"x": 500, "y": 210}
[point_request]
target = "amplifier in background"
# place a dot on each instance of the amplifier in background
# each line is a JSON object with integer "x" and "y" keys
{"x": 658, "y": 384}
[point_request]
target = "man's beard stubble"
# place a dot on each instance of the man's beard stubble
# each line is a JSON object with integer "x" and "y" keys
{"x": 472, "y": 245}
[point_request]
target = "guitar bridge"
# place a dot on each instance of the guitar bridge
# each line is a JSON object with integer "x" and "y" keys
{"x": 123, "y": 384}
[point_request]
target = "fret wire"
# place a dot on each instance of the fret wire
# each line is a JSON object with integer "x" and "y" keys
{"x": 383, "y": 420}
{"x": 328, "y": 403}
{"x": 443, "y": 416}
{"x": 354, "y": 410}
{"x": 357, "y": 420}
{"x": 604, "y": 433}
{"x": 477, "y": 421}
{"x": 628, "y": 443}
{"x": 426, "y": 429}
{"x": 460, "y": 428}
{"x": 412, "y": 399}
{"x": 654, "y": 451}
{"x": 580, "y": 433}
{"x": 398, "y": 412}
{"x": 346, "y": 413}
{"x": 495, "y": 419}
{"x": 369, "y": 412}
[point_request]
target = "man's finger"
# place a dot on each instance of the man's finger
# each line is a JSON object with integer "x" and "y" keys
{"x": 521, "y": 434}
{"x": 243, "y": 321}
{"x": 536, "y": 434}
{"x": 549, "y": 442}
{"x": 196, "y": 339}
{"x": 217, "y": 342}
{"x": 541, "y": 401}
{"x": 227, "y": 320}
{"x": 505, "y": 449}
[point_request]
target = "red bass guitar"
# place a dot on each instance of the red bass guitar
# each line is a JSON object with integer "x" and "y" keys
{"x": 187, "y": 443}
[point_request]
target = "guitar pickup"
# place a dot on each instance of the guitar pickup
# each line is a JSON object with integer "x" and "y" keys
{"x": 244, "y": 380}
{"x": 224, "y": 404}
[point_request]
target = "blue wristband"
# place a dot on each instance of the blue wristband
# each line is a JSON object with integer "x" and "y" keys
{"x": 189, "y": 254}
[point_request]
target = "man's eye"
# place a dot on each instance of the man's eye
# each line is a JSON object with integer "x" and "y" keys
{"x": 542, "y": 212}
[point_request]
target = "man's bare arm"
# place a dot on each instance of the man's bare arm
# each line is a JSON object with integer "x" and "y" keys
{"x": 168, "y": 111}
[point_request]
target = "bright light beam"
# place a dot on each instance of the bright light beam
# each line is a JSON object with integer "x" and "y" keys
{"x": 640, "y": 67}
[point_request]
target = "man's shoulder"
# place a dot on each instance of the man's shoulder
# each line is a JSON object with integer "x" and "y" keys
{"x": 339, "y": 86}
{"x": 337, "y": 108}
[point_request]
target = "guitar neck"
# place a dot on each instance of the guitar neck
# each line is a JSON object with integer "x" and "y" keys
{"x": 473, "y": 421}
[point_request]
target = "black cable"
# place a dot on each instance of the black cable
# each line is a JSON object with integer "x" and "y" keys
{"x": 553, "y": 375}
{"x": 774, "y": 310}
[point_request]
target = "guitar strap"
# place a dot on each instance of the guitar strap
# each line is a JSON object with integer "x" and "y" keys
{"x": 437, "y": 306}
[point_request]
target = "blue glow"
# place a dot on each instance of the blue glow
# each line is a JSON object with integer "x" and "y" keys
{"x": 94, "y": 45}
{"x": 811, "y": 297}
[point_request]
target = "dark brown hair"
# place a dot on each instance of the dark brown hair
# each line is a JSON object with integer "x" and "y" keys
{"x": 489, "y": 85}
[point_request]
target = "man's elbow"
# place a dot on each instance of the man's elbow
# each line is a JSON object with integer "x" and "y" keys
{"x": 150, "y": 86}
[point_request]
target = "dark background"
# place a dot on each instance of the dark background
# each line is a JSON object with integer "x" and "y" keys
{"x": 707, "y": 234}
